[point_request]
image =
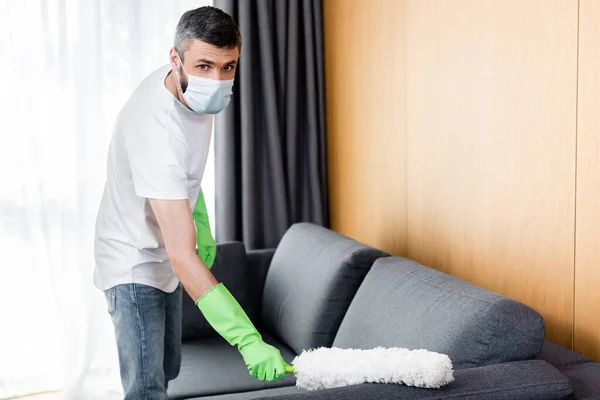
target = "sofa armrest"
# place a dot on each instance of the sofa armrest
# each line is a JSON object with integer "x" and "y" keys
{"x": 519, "y": 380}
{"x": 230, "y": 268}
{"x": 258, "y": 262}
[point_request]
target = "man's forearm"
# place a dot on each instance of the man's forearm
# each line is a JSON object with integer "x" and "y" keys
{"x": 195, "y": 277}
{"x": 177, "y": 226}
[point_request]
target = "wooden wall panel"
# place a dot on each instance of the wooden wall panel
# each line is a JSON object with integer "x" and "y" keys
{"x": 491, "y": 119}
{"x": 365, "y": 100}
{"x": 587, "y": 265}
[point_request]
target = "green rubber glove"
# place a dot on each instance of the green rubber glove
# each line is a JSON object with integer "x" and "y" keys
{"x": 207, "y": 249}
{"x": 227, "y": 317}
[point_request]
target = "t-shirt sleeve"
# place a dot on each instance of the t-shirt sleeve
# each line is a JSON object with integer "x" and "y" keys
{"x": 157, "y": 164}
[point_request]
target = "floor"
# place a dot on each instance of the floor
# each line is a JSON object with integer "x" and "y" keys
{"x": 59, "y": 396}
{"x": 45, "y": 396}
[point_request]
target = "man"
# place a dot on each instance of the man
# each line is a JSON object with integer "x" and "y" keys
{"x": 153, "y": 215}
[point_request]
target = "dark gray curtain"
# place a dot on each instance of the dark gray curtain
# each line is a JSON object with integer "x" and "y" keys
{"x": 270, "y": 144}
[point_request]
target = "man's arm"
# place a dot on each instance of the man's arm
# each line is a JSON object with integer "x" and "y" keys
{"x": 219, "y": 307}
{"x": 177, "y": 226}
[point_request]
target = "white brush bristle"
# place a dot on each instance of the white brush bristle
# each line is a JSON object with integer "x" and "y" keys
{"x": 334, "y": 367}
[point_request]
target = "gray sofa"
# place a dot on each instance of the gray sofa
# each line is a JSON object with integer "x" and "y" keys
{"x": 319, "y": 288}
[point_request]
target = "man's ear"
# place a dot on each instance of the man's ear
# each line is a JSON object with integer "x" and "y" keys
{"x": 174, "y": 59}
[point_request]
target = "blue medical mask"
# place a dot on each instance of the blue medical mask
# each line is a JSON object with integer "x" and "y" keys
{"x": 207, "y": 96}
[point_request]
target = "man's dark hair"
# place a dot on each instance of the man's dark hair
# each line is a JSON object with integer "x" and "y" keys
{"x": 210, "y": 25}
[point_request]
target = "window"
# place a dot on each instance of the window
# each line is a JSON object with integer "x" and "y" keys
{"x": 66, "y": 68}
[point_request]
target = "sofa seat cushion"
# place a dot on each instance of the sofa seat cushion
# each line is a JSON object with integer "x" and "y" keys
{"x": 255, "y": 394}
{"x": 404, "y": 304}
{"x": 211, "y": 366}
{"x": 231, "y": 269}
{"x": 520, "y": 380}
{"x": 311, "y": 281}
{"x": 585, "y": 379}
{"x": 560, "y": 356}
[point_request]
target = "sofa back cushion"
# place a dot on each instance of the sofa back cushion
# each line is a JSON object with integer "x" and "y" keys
{"x": 310, "y": 283}
{"x": 404, "y": 304}
{"x": 231, "y": 269}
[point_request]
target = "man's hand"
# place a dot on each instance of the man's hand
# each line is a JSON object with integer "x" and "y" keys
{"x": 179, "y": 233}
{"x": 228, "y": 318}
{"x": 264, "y": 361}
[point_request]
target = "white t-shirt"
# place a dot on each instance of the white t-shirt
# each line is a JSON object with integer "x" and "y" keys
{"x": 158, "y": 150}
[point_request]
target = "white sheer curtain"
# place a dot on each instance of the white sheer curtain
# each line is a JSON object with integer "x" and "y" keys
{"x": 66, "y": 67}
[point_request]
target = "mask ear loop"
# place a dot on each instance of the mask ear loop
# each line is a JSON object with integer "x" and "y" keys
{"x": 181, "y": 68}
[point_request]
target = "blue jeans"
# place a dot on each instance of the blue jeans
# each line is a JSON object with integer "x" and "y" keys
{"x": 148, "y": 331}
